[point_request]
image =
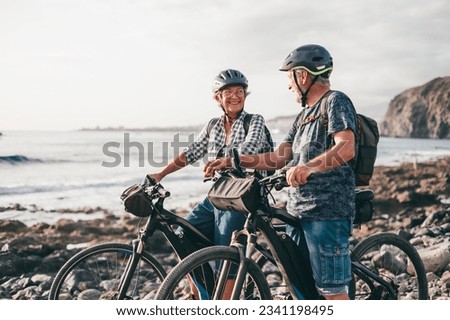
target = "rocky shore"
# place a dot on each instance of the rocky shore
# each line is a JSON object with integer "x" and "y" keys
{"x": 411, "y": 199}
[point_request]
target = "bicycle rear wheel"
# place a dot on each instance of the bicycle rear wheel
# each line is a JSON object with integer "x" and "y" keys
{"x": 94, "y": 274}
{"x": 197, "y": 277}
{"x": 397, "y": 264}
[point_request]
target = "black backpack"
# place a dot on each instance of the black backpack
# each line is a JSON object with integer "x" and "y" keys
{"x": 247, "y": 120}
{"x": 367, "y": 138}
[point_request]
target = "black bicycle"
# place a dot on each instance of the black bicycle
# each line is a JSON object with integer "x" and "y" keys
{"x": 127, "y": 271}
{"x": 262, "y": 258}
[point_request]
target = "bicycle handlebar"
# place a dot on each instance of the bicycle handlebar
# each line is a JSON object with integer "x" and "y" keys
{"x": 225, "y": 172}
{"x": 155, "y": 188}
{"x": 278, "y": 181}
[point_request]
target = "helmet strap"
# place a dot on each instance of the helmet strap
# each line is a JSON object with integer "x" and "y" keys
{"x": 304, "y": 94}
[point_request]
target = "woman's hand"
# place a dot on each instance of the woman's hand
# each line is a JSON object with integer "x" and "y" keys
{"x": 157, "y": 177}
{"x": 215, "y": 165}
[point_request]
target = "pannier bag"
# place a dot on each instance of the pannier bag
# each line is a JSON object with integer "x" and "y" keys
{"x": 136, "y": 201}
{"x": 363, "y": 206}
{"x": 236, "y": 194}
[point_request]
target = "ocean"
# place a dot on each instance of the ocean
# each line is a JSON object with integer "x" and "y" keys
{"x": 49, "y": 172}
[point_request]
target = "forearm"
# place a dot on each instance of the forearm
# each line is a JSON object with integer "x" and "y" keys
{"x": 179, "y": 162}
{"x": 342, "y": 152}
{"x": 268, "y": 161}
{"x": 265, "y": 161}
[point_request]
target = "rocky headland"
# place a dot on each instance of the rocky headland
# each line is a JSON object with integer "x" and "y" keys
{"x": 412, "y": 200}
{"x": 420, "y": 112}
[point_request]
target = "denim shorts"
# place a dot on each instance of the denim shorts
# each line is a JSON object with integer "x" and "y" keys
{"x": 217, "y": 225}
{"x": 329, "y": 250}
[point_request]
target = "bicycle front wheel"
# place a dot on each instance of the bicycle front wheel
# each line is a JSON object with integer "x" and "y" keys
{"x": 396, "y": 271}
{"x": 198, "y": 277}
{"x": 95, "y": 274}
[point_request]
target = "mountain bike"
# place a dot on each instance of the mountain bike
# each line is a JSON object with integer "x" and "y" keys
{"x": 384, "y": 266}
{"x": 127, "y": 271}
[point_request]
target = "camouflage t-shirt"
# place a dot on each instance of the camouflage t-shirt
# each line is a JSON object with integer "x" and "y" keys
{"x": 331, "y": 194}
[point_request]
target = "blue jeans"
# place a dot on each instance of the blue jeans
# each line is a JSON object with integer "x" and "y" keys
{"x": 217, "y": 225}
{"x": 329, "y": 250}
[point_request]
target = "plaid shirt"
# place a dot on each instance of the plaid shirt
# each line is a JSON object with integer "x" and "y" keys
{"x": 213, "y": 144}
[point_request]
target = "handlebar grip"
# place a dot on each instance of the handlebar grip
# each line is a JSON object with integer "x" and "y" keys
{"x": 155, "y": 187}
{"x": 163, "y": 192}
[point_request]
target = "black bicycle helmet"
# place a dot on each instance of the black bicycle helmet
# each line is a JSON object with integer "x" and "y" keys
{"x": 229, "y": 77}
{"x": 313, "y": 58}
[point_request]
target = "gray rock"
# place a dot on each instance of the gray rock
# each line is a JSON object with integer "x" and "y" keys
{"x": 436, "y": 258}
{"x": 421, "y": 112}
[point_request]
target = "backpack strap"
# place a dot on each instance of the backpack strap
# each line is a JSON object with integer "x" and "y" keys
{"x": 211, "y": 124}
{"x": 323, "y": 107}
{"x": 322, "y": 114}
{"x": 247, "y": 119}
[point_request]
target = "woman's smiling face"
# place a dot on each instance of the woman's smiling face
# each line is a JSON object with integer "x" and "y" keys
{"x": 232, "y": 99}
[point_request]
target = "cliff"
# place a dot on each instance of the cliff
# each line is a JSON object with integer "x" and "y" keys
{"x": 420, "y": 112}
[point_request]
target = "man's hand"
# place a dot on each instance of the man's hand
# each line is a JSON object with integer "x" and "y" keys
{"x": 215, "y": 165}
{"x": 298, "y": 175}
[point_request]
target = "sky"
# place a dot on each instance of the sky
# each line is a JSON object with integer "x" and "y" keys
{"x": 71, "y": 64}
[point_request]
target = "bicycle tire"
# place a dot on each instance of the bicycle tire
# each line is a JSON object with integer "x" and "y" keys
{"x": 397, "y": 262}
{"x": 94, "y": 274}
{"x": 197, "y": 268}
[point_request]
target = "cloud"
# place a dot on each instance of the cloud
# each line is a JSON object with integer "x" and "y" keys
{"x": 152, "y": 58}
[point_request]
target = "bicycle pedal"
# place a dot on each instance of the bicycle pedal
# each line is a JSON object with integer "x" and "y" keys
{"x": 279, "y": 296}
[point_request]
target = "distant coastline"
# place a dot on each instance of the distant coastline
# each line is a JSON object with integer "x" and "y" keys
{"x": 275, "y": 124}
{"x": 159, "y": 129}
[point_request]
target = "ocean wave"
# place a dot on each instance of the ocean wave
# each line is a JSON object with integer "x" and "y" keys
{"x": 21, "y": 189}
{"x": 18, "y": 159}
{"x": 27, "y": 189}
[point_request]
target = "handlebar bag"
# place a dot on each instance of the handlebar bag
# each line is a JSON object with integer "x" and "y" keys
{"x": 236, "y": 194}
{"x": 136, "y": 201}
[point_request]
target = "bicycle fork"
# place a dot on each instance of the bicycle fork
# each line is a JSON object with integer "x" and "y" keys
{"x": 244, "y": 258}
{"x": 125, "y": 279}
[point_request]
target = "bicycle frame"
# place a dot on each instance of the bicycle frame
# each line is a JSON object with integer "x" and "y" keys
{"x": 300, "y": 284}
{"x": 364, "y": 273}
{"x": 162, "y": 220}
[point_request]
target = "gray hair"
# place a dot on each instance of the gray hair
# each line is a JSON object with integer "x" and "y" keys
{"x": 320, "y": 80}
{"x": 323, "y": 81}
